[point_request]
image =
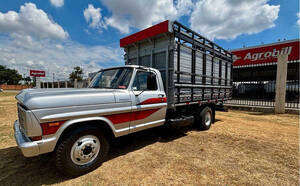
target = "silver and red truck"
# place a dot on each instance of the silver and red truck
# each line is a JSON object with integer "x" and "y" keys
{"x": 172, "y": 75}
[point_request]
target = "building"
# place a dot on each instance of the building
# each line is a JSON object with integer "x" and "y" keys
{"x": 254, "y": 74}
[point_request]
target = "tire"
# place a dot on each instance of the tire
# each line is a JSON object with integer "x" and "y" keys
{"x": 204, "y": 118}
{"x": 81, "y": 152}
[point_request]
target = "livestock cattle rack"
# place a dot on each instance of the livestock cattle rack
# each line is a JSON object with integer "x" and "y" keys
{"x": 194, "y": 69}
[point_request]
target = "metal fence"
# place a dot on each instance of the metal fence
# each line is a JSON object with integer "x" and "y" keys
{"x": 262, "y": 93}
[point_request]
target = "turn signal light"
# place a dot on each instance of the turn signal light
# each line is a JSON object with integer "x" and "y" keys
{"x": 51, "y": 127}
{"x": 35, "y": 138}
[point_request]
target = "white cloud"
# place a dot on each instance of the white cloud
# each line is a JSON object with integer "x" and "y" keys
{"x": 57, "y": 3}
{"x": 226, "y": 19}
{"x": 30, "y": 63}
{"x": 298, "y": 21}
{"x": 184, "y": 7}
{"x": 138, "y": 14}
{"x": 30, "y": 40}
{"x": 93, "y": 16}
{"x": 57, "y": 57}
{"x": 222, "y": 19}
{"x": 30, "y": 21}
{"x": 59, "y": 46}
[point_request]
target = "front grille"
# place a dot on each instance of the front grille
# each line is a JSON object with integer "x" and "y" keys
{"x": 22, "y": 118}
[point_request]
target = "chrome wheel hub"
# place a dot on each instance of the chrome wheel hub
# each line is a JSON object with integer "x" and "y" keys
{"x": 85, "y": 150}
{"x": 207, "y": 118}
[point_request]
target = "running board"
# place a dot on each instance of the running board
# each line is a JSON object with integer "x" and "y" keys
{"x": 184, "y": 121}
{"x": 221, "y": 108}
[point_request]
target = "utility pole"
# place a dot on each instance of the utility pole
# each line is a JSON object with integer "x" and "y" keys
{"x": 53, "y": 81}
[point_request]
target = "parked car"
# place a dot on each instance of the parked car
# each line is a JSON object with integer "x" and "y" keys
{"x": 177, "y": 85}
{"x": 250, "y": 88}
{"x": 292, "y": 89}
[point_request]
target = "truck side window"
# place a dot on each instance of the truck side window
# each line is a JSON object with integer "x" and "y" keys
{"x": 144, "y": 81}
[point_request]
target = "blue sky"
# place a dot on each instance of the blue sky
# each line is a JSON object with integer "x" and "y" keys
{"x": 56, "y": 35}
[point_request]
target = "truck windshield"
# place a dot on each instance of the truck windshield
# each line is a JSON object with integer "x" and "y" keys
{"x": 117, "y": 78}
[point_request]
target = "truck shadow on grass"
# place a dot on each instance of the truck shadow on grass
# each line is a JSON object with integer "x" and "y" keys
{"x": 18, "y": 170}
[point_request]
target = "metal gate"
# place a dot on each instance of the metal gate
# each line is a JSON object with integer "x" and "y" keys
{"x": 256, "y": 85}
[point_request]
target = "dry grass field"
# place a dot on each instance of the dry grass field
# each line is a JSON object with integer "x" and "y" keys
{"x": 241, "y": 148}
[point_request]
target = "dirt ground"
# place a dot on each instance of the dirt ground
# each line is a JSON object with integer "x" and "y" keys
{"x": 240, "y": 148}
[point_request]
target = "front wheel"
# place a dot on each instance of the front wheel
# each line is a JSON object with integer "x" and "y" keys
{"x": 83, "y": 151}
{"x": 203, "y": 118}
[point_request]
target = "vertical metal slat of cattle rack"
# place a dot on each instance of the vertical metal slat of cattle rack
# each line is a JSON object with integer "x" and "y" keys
{"x": 212, "y": 73}
{"x": 167, "y": 72}
{"x": 204, "y": 75}
{"x": 226, "y": 76}
{"x": 220, "y": 78}
{"x": 178, "y": 63}
{"x": 193, "y": 66}
{"x": 231, "y": 76}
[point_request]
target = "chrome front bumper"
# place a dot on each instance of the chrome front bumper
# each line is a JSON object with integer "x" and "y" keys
{"x": 29, "y": 148}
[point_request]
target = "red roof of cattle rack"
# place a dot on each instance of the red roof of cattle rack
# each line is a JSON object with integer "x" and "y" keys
{"x": 159, "y": 28}
{"x": 264, "y": 54}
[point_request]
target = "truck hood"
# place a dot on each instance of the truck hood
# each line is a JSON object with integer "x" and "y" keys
{"x": 53, "y": 98}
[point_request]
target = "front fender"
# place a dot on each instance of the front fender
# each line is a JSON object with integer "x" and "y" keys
{"x": 81, "y": 120}
{"x": 49, "y": 142}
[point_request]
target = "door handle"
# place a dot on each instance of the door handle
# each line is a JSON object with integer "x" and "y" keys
{"x": 161, "y": 95}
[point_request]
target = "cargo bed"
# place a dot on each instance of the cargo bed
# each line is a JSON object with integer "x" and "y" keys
{"x": 194, "y": 69}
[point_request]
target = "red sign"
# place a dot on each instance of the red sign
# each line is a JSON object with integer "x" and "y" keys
{"x": 148, "y": 32}
{"x": 37, "y": 73}
{"x": 267, "y": 53}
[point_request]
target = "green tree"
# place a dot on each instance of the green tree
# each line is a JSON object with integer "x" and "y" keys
{"x": 9, "y": 76}
{"x": 27, "y": 80}
{"x": 76, "y": 74}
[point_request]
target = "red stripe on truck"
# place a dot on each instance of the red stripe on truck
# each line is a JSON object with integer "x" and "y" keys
{"x": 130, "y": 116}
{"x": 153, "y": 101}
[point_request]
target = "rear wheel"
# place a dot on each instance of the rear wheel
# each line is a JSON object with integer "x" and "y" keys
{"x": 83, "y": 151}
{"x": 204, "y": 118}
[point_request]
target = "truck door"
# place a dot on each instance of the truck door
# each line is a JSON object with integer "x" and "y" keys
{"x": 149, "y": 102}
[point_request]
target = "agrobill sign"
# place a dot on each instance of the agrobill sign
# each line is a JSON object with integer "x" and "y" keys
{"x": 266, "y": 53}
{"x": 37, "y": 73}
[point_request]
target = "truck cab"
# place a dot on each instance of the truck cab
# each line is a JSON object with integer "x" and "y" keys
{"x": 142, "y": 89}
